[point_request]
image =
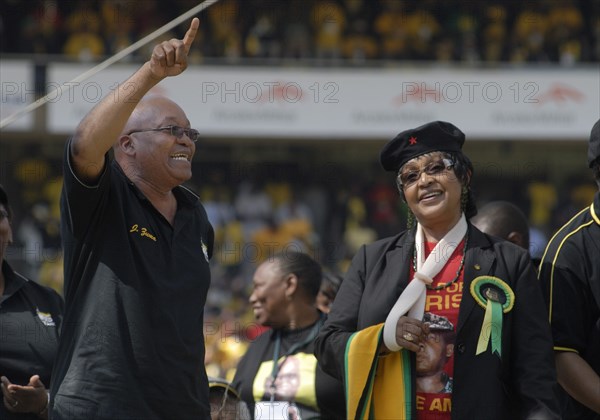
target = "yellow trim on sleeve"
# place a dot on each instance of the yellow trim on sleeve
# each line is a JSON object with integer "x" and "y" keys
{"x": 570, "y": 350}
{"x": 594, "y": 215}
{"x": 556, "y": 234}
{"x": 553, "y": 265}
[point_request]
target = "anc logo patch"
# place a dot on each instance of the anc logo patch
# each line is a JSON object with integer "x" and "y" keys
{"x": 46, "y": 318}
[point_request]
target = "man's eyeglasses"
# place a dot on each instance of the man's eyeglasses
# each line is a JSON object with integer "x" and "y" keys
{"x": 406, "y": 179}
{"x": 175, "y": 130}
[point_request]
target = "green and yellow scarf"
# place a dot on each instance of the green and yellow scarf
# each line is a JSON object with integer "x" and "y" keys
{"x": 377, "y": 387}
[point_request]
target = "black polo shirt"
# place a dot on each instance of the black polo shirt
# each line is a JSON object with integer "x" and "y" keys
{"x": 135, "y": 287}
{"x": 570, "y": 280}
{"x": 30, "y": 319}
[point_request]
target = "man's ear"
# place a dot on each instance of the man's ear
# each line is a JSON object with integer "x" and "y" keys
{"x": 291, "y": 285}
{"x": 126, "y": 144}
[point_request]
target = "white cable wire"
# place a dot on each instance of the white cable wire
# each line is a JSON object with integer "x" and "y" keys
{"x": 109, "y": 61}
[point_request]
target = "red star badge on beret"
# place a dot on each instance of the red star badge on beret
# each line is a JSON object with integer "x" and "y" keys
{"x": 412, "y": 140}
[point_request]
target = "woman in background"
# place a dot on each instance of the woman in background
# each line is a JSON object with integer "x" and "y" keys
{"x": 279, "y": 370}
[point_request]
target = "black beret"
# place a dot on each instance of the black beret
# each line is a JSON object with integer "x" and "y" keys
{"x": 432, "y": 137}
{"x": 594, "y": 146}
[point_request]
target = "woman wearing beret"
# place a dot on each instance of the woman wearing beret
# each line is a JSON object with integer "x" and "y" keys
{"x": 500, "y": 360}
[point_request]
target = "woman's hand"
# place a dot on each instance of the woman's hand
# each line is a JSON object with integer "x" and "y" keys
{"x": 410, "y": 333}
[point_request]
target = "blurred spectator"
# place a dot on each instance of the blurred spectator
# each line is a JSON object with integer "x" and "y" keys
{"x": 329, "y": 23}
{"x": 529, "y": 34}
{"x": 318, "y": 201}
{"x": 359, "y": 45}
{"x": 494, "y": 33}
{"x": 253, "y": 206}
{"x": 467, "y": 28}
{"x": 292, "y": 211}
{"x": 269, "y": 240}
{"x": 504, "y": 220}
{"x": 422, "y": 28}
{"x": 38, "y": 232}
{"x": 42, "y": 28}
{"x": 118, "y": 24}
{"x": 390, "y": 25}
{"x": 224, "y": 24}
{"x": 383, "y": 207}
{"x": 357, "y": 234}
{"x": 329, "y": 287}
{"x": 543, "y": 198}
{"x": 537, "y": 243}
{"x": 263, "y": 39}
{"x": 84, "y": 42}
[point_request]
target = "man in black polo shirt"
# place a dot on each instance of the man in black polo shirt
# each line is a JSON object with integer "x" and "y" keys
{"x": 570, "y": 279}
{"x": 136, "y": 248}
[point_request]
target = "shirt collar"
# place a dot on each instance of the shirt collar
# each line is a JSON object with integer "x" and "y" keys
{"x": 184, "y": 195}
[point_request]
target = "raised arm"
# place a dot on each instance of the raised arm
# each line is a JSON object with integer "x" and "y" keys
{"x": 103, "y": 125}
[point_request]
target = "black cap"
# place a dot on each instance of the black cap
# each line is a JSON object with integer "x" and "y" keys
{"x": 594, "y": 146}
{"x": 437, "y": 136}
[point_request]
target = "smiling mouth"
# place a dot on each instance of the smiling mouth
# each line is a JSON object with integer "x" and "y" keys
{"x": 431, "y": 195}
{"x": 180, "y": 156}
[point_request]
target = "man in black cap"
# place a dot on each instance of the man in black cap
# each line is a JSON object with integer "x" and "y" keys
{"x": 570, "y": 279}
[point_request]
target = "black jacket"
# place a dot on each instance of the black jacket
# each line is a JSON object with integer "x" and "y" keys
{"x": 518, "y": 385}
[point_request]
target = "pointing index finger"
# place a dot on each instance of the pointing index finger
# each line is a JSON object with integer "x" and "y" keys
{"x": 188, "y": 39}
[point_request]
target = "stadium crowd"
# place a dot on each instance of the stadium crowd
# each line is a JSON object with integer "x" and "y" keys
{"x": 330, "y": 31}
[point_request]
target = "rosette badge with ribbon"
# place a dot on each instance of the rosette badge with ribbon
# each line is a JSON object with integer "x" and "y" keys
{"x": 497, "y": 298}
